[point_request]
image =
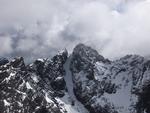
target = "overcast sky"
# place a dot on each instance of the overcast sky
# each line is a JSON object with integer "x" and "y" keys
{"x": 39, "y": 28}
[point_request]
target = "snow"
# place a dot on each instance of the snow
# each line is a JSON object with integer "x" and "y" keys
{"x": 123, "y": 99}
{"x": 101, "y": 71}
{"x": 70, "y": 97}
{"x": 23, "y": 94}
{"x": 28, "y": 85}
{"x": 58, "y": 78}
{"x": 20, "y": 104}
{"x": 21, "y": 85}
{"x": 6, "y": 103}
{"x": 20, "y": 92}
{"x": 10, "y": 76}
{"x": 35, "y": 79}
{"x": 66, "y": 102}
{"x": 40, "y": 59}
{"x": 23, "y": 97}
{"x": 48, "y": 99}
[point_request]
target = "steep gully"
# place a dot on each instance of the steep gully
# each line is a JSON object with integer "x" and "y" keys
{"x": 79, "y": 107}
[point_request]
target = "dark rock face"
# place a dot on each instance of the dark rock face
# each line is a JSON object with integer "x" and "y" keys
{"x": 86, "y": 86}
{"x": 25, "y": 89}
{"x": 53, "y": 69}
{"x": 51, "y": 72}
{"x": 144, "y": 99}
{"x": 105, "y": 86}
{"x": 83, "y": 58}
{"x": 58, "y": 83}
{"x": 3, "y": 61}
{"x": 18, "y": 63}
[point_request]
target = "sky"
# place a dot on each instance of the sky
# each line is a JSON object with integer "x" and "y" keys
{"x": 40, "y": 28}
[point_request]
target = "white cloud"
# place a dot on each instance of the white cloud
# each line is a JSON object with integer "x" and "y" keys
{"x": 131, "y": 34}
{"x": 5, "y": 44}
{"x": 40, "y": 28}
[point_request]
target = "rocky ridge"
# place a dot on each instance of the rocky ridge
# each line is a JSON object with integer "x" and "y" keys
{"x": 88, "y": 83}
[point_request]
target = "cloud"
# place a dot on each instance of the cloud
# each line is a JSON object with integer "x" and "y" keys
{"x": 5, "y": 42}
{"x": 35, "y": 28}
{"x": 131, "y": 33}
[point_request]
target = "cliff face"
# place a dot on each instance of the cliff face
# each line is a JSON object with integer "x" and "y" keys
{"x": 105, "y": 86}
{"x": 32, "y": 88}
{"x": 84, "y": 82}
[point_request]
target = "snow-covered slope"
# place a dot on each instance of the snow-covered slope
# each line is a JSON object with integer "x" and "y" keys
{"x": 75, "y": 106}
{"x": 85, "y": 82}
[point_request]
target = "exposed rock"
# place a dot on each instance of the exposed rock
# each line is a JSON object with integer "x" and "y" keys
{"x": 3, "y": 61}
{"x": 24, "y": 89}
{"x": 101, "y": 85}
{"x": 105, "y": 86}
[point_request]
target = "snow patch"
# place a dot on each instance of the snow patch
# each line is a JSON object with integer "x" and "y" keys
{"x": 48, "y": 99}
{"x": 28, "y": 85}
{"x": 59, "y": 78}
{"x": 41, "y": 60}
{"x": 20, "y": 92}
{"x": 10, "y": 76}
{"x": 35, "y": 79}
{"x": 20, "y": 104}
{"x": 66, "y": 103}
{"x": 6, "y": 103}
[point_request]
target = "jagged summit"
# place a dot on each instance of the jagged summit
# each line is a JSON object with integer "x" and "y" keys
{"x": 84, "y": 82}
{"x": 87, "y": 52}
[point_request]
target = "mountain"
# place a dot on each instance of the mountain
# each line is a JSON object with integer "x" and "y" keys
{"x": 82, "y": 82}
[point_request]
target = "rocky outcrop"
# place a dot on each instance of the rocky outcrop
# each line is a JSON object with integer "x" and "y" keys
{"x": 3, "y": 61}
{"x": 101, "y": 85}
{"x": 105, "y": 86}
{"x": 28, "y": 89}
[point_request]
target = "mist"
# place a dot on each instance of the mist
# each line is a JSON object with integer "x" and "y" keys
{"x": 39, "y": 29}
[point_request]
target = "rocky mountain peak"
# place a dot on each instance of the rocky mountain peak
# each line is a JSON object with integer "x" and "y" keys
{"x": 98, "y": 84}
{"x": 84, "y": 82}
{"x": 87, "y": 53}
